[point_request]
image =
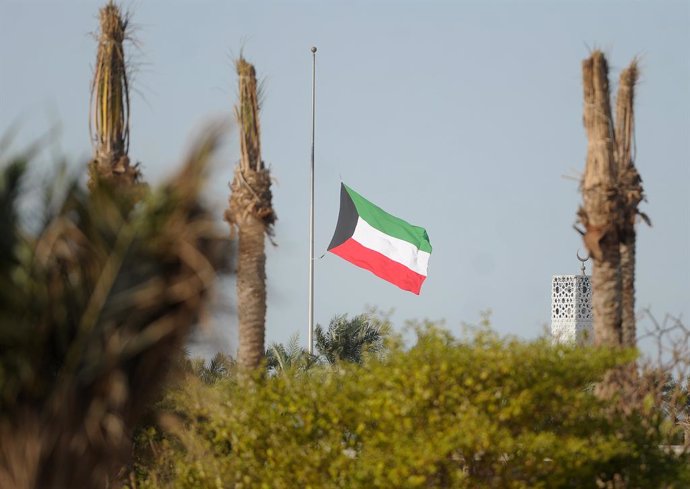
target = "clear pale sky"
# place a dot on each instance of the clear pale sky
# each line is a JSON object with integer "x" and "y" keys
{"x": 464, "y": 118}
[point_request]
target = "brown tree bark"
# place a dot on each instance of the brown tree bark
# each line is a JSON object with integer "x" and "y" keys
{"x": 631, "y": 193}
{"x": 628, "y": 327}
{"x": 600, "y": 210}
{"x": 251, "y": 292}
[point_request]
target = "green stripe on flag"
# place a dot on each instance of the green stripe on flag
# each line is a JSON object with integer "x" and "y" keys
{"x": 388, "y": 224}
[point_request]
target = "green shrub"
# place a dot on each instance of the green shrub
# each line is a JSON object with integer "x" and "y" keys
{"x": 484, "y": 412}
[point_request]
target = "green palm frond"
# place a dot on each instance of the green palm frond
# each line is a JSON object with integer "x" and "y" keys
{"x": 292, "y": 356}
{"x": 350, "y": 339}
{"x": 219, "y": 367}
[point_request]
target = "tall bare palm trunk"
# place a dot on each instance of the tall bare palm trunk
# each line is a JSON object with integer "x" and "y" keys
{"x": 630, "y": 188}
{"x": 110, "y": 103}
{"x": 600, "y": 210}
{"x": 250, "y": 211}
{"x": 251, "y": 293}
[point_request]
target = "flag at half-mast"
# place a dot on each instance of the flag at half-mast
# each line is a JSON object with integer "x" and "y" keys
{"x": 375, "y": 240}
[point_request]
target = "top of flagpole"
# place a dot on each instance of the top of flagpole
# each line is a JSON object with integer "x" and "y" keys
{"x": 313, "y": 49}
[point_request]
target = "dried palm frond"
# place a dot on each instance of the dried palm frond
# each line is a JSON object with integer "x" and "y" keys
{"x": 95, "y": 308}
{"x": 629, "y": 181}
{"x": 247, "y": 114}
{"x": 251, "y": 197}
{"x": 109, "y": 105}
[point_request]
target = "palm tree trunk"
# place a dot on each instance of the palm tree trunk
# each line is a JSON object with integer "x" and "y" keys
{"x": 600, "y": 210}
{"x": 250, "y": 211}
{"x": 627, "y": 252}
{"x": 606, "y": 294}
{"x": 251, "y": 292}
{"x": 630, "y": 188}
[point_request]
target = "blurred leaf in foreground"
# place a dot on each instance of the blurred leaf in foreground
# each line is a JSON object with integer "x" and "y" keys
{"x": 93, "y": 308}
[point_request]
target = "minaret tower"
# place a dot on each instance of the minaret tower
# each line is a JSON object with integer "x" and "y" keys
{"x": 571, "y": 307}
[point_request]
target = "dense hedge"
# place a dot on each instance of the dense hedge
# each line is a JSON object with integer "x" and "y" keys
{"x": 482, "y": 412}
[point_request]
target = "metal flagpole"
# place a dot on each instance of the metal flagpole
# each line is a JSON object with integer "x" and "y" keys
{"x": 311, "y": 204}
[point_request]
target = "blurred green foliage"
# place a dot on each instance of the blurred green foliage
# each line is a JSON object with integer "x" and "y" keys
{"x": 96, "y": 301}
{"x": 480, "y": 412}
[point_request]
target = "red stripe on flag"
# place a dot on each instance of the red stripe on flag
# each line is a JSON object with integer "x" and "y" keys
{"x": 379, "y": 265}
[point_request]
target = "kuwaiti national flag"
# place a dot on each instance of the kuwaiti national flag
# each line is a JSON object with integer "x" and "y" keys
{"x": 387, "y": 246}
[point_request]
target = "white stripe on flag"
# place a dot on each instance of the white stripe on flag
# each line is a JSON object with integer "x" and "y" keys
{"x": 395, "y": 249}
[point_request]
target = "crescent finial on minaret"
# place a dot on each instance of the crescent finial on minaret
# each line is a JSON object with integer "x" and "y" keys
{"x": 582, "y": 260}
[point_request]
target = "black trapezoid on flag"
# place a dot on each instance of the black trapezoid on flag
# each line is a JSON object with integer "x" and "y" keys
{"x": 347, "y": 219}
